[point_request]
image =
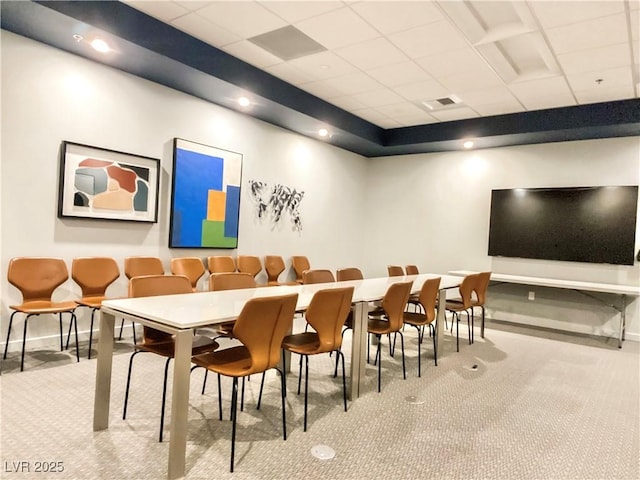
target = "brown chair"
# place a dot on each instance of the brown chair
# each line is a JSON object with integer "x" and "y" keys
{"x": 259, "y": 350}
{"x": 300, "y": 264}
{"x": 190, "y": 267}
{"x": 156, "y": 341}
{"x": 137, "y": 267}
{"x": 411, "y": 270}
{"x": 463, "y": 305}
{"x": 350, "y": 273}
{"x": 393, "y": 304}
{"x": 428, "y": 298}
{"x": 37, "y": 278}
{"x": 326, "y": 313}
{"x": 274, "y": 266}
{"x": 221, "y": 264}
{"x": 317, "y": 276}
{"x": 93, "y": 275}
{"x": 229, "y": 281}
{"x": 249, "y": 264}
{"x": 482, "y": 284}
{"x": 395, "y": 271}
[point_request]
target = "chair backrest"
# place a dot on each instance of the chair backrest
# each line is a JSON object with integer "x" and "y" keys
{"x": 231, "y": 281}
{"x": 317, "y": 276}
{"x": 394, "y": 302}
{"x": 94, "y": 274}
{"x": 466, "y": 288}
{"x": 395, "y": 271}
{"x": 411, "y": 270}
{"x": 190, "y": 267}
{"x": 221, "y": 264}
{"x": 153, "y": 285}
{"x": 249, "y": 264}
{"x": 37, "y": 277}
{"x": 327, "y": 313}
{"x": 429, "y": 297}
{"x": 482, "y": 283}
{"x": 274, "y": 265}
{"x": 300, "y": 264}
{"x": 142, "y": 266}
{"x": 262, "y": 325}
{"x": 351, "y": 273}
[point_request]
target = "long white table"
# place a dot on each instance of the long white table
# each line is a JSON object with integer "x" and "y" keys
{"x": 180, "y": 315}
{"x": 622, "y": 290}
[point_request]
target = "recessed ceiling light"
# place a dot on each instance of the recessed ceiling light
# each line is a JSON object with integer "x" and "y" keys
{"x": 100, "y": 45}
{"x": 77, "y": 37}
{"x": 323, "y": 132}
{"x": 244, "y": 101}
{"x": 468, "y": 144}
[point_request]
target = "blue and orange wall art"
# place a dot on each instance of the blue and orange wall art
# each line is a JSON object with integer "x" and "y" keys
{"x": 205, "y": 200}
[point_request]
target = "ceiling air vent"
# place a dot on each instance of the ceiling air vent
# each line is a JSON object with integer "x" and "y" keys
{"x": 439, "y": 103}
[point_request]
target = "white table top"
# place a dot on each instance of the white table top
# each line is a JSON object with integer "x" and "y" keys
{"x": 558, "y": 283}
{"x": 192, "y": 310}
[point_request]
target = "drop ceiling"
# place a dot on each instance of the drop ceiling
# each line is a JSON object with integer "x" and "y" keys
{"x": 385, "y": 77}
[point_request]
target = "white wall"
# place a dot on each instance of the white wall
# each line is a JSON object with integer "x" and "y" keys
{"x": 433, "y": 210}
{"x": 49, "y": 96}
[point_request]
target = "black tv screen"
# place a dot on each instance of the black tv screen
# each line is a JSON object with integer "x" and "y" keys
{"x": 576, "y": 224}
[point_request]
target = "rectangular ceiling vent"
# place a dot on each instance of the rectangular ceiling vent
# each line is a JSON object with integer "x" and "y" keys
{"x": 287, "y": 43}
{"x": 451, "y": 101}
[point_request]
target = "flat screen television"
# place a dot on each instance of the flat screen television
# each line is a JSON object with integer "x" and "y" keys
{"x": 576, "y": 224}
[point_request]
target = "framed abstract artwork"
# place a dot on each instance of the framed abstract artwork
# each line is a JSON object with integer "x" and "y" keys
{"x": 98, "y": 183}
{"x": 205, "y": 196}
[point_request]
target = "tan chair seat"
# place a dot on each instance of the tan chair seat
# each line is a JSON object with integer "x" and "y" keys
{"x": 92, "y": 302}
{"x": 306, "y": 343}
{"x": 37, "y": 307}
{"x": 378, "y": 326}
{"x": 200, "y": 344}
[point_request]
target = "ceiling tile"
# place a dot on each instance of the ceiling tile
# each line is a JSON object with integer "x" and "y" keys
{"x": 294, "y": 12}
{"x": 399, "y": 74}
{"x": 451, "y": 114}
{"x": 322, "y": 89}
{"x": 289, "y": 73}
{"x": 337, "y": 28}
{"x": 420, "y": 91}
{"x": 165, "y": 11}
{"x": 347, "y": 102}
{"x": 450, "y": 63}
{"x": 192, "y": 5}
{"x": 255, "y": 19}
{"x": 604, "y": 94}
{"x": 353, "y": 83}
{"x": 251, "y": 53}
{"x": 589, "y": 34}
{"x": 492, "y": 95}
{"x": 372, "y": 115}
{"x": 595, "y": 59}
{"x": 431, "y": 39}
{"x": 394, "y": 16}
{"x": 544, "y": 93}
{"x": 553, "y": 14}
{"x": 479, "y": 78}
{"x": 614, "y": 77}
{"x": 499, "y": 108}
{"x": 323, "y": 65}
{"x": 199, "y": 27}
{"x": 377, "y": 98}
{"x": 372, "y": 53}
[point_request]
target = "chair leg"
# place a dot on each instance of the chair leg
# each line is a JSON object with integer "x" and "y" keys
{"x": 482, "y": 324}
{"x": 93, "y": 311}
{"x": 164, "y": 397}
{"x": 344, "y": 380}
{"x": 219, "y": 398}
{"x": 419, "y": 342}
{"x": 261, "y": 387}
{"x": 457, "y": 320}
{"x": 204, "y": 380}
{"x": 6, "y": 345}
{"x": 283, "y": 394}
{"x": 121, "y": 325}
{"x": 24, "y": 340}
{"x": 469, "y": 327}
{"x": 404, "y": 370}
{"x": 234, "y": 413}
{"x": 242, "y": 396}
{"x": 299, "y": 373}
{"x": 61, "y": 335}
{"x": 379, "y": 362}
{"x": 306, "y": 388}
{"x": 435, "y": 349}
{"x": 126, "y": 392}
